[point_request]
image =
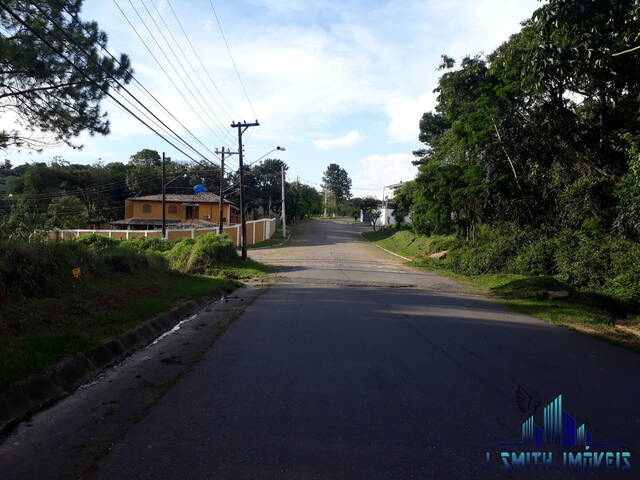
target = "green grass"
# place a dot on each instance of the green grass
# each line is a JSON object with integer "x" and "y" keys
{"x": 41, "y": 331}
{"x": 405, "y": 242}
{"x": 241, "y": 270}
{"x": 583, "y": 311}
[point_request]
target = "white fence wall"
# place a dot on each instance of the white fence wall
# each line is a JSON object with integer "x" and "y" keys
{"x": 257, "y": 231}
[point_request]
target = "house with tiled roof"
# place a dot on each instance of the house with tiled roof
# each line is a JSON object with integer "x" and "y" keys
{"x": 199, "y": 210}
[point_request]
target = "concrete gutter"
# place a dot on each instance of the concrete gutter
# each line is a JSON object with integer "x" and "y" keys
{"x": 388, "y": 251}
{"x": 42, "y": 390}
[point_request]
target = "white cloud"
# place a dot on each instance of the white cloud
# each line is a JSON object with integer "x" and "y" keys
{"x": 348, "y": 140}
{"x": 380, "y": 170}
{"x": 404, "y": 116}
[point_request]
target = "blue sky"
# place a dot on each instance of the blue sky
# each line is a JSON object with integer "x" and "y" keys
{"x": 334, "y": 81}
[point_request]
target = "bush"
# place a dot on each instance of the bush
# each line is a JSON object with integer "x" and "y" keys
{"x": 180, "y": 253}
{"x": 604, "y": 264}
{"x": 150, "y": 244}
{"x": 39, "y": 267}
{"x": 124, "y": 259}
{"x": 97, "y": 242}
{"x": 494, "y": 250}
{"x": 203, "y": 254}
{"x": 537, "y": 258}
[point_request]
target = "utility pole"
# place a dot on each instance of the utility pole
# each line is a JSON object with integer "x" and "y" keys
{"x": 164, "y": 188}
{"x": 222, "y": 154}
{"x": 284, "y": 212}
{"x": 242, "y": 127}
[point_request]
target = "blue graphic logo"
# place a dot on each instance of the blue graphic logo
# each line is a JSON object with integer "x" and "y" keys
{"x": 559, "y": 429}
{"x": 571, "y": 445}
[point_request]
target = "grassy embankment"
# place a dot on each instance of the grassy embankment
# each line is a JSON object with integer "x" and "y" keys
{"x": 584, "y": 310}
{"x": 47, "y": 314}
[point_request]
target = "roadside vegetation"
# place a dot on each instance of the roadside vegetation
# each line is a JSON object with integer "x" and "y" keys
{"x": 530, "y": 171}
{"x": 523, "y": 272}
{"x": 62, "y": 298}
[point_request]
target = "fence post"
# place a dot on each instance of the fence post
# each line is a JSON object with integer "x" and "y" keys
{"x": 238, "y": 234}
{"x": 127, "y": 236}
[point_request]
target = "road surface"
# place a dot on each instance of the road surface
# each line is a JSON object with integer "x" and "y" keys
{"x": 354, "y": 366}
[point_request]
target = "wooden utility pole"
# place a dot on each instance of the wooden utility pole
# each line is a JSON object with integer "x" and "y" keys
{"x": 222, "y": 154}
{"x": 242, "y": 127}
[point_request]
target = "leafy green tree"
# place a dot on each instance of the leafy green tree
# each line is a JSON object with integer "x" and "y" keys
{"x": 336, "y": 180}
{"x": 302, "y": 201}
{"x": 45, "y": 93}
{"x": 146, "y": 158}
{"x": 67, "y": 212}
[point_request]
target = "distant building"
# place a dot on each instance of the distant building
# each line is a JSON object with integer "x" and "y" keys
{"x": 388, "y": 193}
{"x": 198, "y": 210}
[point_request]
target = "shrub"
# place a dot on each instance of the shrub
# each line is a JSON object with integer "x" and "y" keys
{"x": 97, "y": 242}
{"x": 39, "y": 267}
{"x": 209, "y": 250}
{"x": 150, "y": 244}
{"x": 495, "y": 248}
{"x": 179, "y": 254}
{"x": 536, "y": 258}
{"x": 604, "y": 264}
{"x": 201, "y": 255}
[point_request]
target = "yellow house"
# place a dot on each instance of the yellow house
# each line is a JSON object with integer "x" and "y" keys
{"x": 181, "y": 211}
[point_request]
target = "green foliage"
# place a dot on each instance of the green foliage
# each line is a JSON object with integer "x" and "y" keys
{"x": 542, "y": 131}
{"x": 536, "y": 258}
{"x": 67, "y": 212}
{"x": 150, "y": 244}
{"x": 202, "y": 254}
{"x": 39, "y": 86}
{"x": 40, "y": 267}
{"x": 97, "y": 242}
{"x": 336, "y": 180}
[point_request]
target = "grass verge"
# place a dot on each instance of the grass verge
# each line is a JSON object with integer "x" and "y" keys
{"x": 593, "y": 314}
{"x": 38, "y": 332}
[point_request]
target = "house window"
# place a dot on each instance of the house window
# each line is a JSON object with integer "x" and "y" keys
{"x": 146, "y": 208}
{"x": 173, "y": 209}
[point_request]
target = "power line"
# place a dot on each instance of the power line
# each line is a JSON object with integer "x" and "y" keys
{"x": 162, "y": 67}
{"x": 140, "y": 85}
{"x": 159, "y": 123}
{"x": 199, "y": 59}
{"x": 186, "y": 58}
{"x": 13, "y": 14}
{"x": 235, "y": 67}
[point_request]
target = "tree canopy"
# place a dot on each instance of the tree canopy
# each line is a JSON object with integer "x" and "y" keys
{"x": 543, "y": 131}
{"x": 51, "y": 101}
{"x": 336, "y": 180}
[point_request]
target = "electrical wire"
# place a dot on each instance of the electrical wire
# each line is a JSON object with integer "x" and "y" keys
{"x": 235, "y": 67}
{"x": 14, "y": 15}
{"x": 138, "y": 83}
{"x": 200, "y": 60}
{"x": 178, "y": 89}
{"x": 186, "y": 58}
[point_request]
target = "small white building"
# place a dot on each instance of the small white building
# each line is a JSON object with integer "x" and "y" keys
{"x": 387, "y": 217}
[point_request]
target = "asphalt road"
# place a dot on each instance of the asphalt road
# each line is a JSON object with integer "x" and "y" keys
{"x": 354, "y": 366}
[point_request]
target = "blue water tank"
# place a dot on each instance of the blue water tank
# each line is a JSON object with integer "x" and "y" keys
{"x": 199, "y": 188}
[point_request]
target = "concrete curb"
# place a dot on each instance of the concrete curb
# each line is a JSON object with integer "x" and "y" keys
{"x": 388, "y": 251}
{"x": 42, "y": 390}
